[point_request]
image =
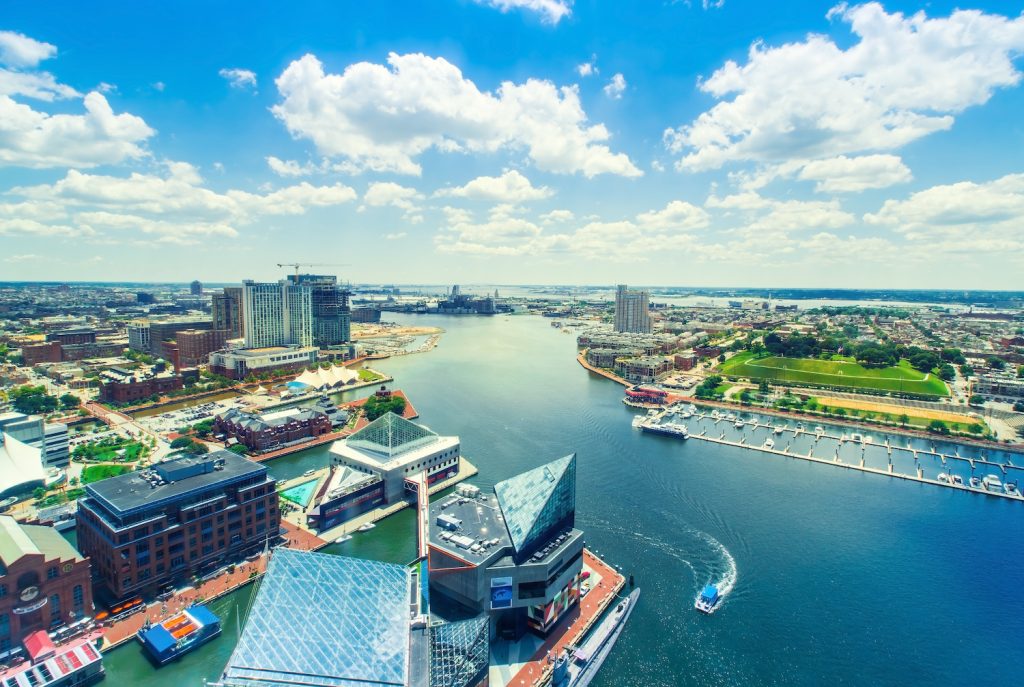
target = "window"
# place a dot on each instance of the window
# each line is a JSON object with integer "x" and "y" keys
{"x": 78, "y": 597}
{"x": 3, "y": 590}
{"x": 177, "y": 561}
{"x": 52, "y": 572}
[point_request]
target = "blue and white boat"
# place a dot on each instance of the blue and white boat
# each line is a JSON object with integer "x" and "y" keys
{"x": 708, "y": 600}
{"x": 179, "y": 634}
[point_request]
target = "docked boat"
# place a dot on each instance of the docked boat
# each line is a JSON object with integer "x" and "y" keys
{"x": 672, "y": 429}
{"x": 819, "y": 430}
{"x": 957, "y": 479}
{"x": 739, "y": 424}
{"x": 708, "y": 600}
{"x": 1011, "y": 489}
{"x": 975, "y": 483}
{"x": 179, "y": 634}
{"x": 715, "y": 414}
{"x": 730, "y": 417}
{"x": 779, "y": 429}
{"x": 857, "y": 437}
{"x": 342, "y": 539}
{"x": 309, "y": 473}
{"x": 992, "y": 483}
{"x": 769, "y": 444}
{"x": 637, "y": 420}
{"x": 943, "y": 477}
{"x": 578, "y": 666}
{"x": 366, "y": 527}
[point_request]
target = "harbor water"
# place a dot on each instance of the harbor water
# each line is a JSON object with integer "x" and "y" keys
{"x": 830, "y": 575}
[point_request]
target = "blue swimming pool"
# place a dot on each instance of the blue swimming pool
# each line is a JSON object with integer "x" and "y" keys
{"x": 300, "y": 493}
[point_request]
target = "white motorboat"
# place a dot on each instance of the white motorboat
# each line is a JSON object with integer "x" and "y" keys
{"x": 779, "y": 429}
{"x": 769, "y": 444}
{"x": 342, "y": 539}
{"x": 957, "y": 479}
{"x": 992, "y": 483}
{"x": 366, "y": 527}
{"x": 943, "y": 477}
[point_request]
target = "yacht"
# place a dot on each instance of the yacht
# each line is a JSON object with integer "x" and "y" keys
{"x": 739, "y": 424}
{"x": 992, "y": 483}
{"x": 730, "y": 417}
{"x": 342, "y": 539}
{"x": 714, "y": 413}
{"x": 708, "y": 600}
{"x": 819, "y": 430}
{"x": 779, "y": 429}
{"x": 975, "y": 483}
{"x": 672, "y": 429}
{"x": 366, "y": 527}
{"x": 769, "y": 444}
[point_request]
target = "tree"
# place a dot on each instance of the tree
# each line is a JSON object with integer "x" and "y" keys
{"x": 1019, "y": 406}
{"x": 32, "y": 400}
{"x": 938, "y": 426}
{"x": 966, "y": 370}
{"x": 240, "y": 449}
{"x": 69, "y": 401}
{"x": 997, "y": 363}
{"x": 763, "y": 387}
{"x": 904, "y": 419}
{"x": 975, "y": 428}
{"x": 976, "y": 400}
{"x": 197, "y": 448}
{"x": 946, "y": 372}
{"x": 38, "y": 493}
{"x": 745, "y": 397}
{"x": 181, "y": 442}
{"x": 376, "y": 406}
{"x": 721, "y": 358}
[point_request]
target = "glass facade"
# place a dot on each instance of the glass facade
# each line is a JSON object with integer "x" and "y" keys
{"x": 537, "y": 502}
{"x": 459, "y": 653}
{"x": 391, "y": 435}
{"x": 325, "y": 620}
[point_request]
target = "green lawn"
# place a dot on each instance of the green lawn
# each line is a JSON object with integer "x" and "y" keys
{"x": 95, "y": 473}
{"x": 369, "y": 376}
{"x": 901, "y": 378}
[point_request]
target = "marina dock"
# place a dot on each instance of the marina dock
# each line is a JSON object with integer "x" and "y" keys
{"x": 718, "y": 430}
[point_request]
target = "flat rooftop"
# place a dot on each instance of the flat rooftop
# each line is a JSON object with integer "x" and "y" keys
{"x": 481, "y": 519}
{"x": 132, "y": 490}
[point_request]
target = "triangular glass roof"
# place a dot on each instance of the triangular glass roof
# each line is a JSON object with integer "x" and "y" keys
{"x": 391, "y": 435}
{"x": 459, "y": 651}
{"x": 534, "y": 501}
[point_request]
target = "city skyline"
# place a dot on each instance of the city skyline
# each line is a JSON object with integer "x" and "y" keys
{"x": 686, "y": 145}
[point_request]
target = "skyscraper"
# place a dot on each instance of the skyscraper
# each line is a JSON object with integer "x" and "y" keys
{"x": 277, "y": 314}
{"x": 196, "y": 288}
{"x": 226, "y": 309}
{"x": 331, "y": 314}
{"x": 631, "y": 314}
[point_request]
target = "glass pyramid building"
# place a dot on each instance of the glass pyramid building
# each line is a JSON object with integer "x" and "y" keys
{"x": 391, "y": 435}
{"x": 537, "y": 502}
{"x": 459, "y": 652}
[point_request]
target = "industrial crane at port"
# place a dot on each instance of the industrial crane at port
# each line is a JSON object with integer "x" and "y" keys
{"x": 297, "y": 265}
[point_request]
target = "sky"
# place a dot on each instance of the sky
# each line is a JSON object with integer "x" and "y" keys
{"x": 688, "y": 143}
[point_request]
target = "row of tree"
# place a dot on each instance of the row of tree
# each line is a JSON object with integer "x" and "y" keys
{"x": 33, "y": 400}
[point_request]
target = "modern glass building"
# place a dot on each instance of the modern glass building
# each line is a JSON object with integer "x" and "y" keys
{"x": 516, "y": 556}
{"x": 334, "y": 621}
{"x": 331, "y": 314}
{"x": 631, "y": 311}
{"x": 277, "y": 314}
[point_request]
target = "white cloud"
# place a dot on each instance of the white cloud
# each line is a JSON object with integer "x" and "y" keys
{"x": 903, "y": 78}
{"x": 551, "y": 11}
{"x": 381, "y": 117}
{"x": 174, "y": 206}
{"x": 159, "y": 86}
{"x": 24, "y": 257}
{"x": 510, "y": 187}
{"x": 586, "y": 69}
{"x": 616, "y": 87}
{"x": 29, "y": 138}
{"x": 763, "y": 215}
{"x": 962, "y": 217}
{"x": 239, "y": 78}
{"x": 676, "y": 215}
{"x": 845, "y": 174}
{"x": 18, "y": 50}
{"x": 289, "y": 168}
{"x": 385, "y": 193}
{"x": 712, "y": 4}
{"x": 395, "y": 237}
{"x": 557, "y": 216}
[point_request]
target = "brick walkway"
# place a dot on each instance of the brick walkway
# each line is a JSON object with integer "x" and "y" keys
{"x": 124, "y": 630}
{"x": 585, "y": 614}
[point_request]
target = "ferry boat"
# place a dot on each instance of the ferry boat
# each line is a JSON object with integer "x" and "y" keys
{"x": 366, "y": 527}
{"x": 672, "y": 429}
{"x": 179, "y": 634}
{"x": 992, "y": 483}
{"x": 769, "y": 444}
{"x": 708, "y": 600}
{"x": 577, "y": 667}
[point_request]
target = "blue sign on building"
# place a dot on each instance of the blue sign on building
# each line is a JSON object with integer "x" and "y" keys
{"x": 501, "y": 592}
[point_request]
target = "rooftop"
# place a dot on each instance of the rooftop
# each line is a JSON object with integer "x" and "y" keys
{"x": 179, "y": 476}
{"x": 17, "y": 541}
{"x": 324, "y": 620}
{"x": 479, "y": 519}
{"x": 535, "y": 501}
{"x": 390, "y": 435}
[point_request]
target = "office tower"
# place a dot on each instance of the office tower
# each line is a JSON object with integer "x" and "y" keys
{"x": 277, "y": 314}
{"x": 196, "y": 288}
{"x": 331, "y": 315}
{"x": 631, "y": 314}
{"x": 226, "y": 309}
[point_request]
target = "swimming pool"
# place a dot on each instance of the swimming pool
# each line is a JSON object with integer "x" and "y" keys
{"x": 300, "y": 493}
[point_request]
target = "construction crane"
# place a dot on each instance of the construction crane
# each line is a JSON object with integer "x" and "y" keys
{"x": 297, "y": 265}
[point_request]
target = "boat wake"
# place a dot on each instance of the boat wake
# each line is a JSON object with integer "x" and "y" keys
{"x": 726, "y": 581}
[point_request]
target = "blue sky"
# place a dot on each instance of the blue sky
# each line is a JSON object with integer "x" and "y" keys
{"x": 515, "y": 141}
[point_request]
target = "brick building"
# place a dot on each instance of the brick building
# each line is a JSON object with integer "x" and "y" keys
{"x": 120, "y": 385}
{"x": 149, "y": 529}
{"x": 264, "y": 432}
{"x": 707, "y": 351}
{"x": 44, "y": 583}
{"x": 192, "y": 347}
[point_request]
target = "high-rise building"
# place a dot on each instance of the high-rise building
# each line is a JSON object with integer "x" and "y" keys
{"x": 277, "y": 314}
{"x": 331, "y": 315}
{"x": 631, "y": 313}
{"x": 148, "y": 336}
{"x": 196, "y": 288}
{"x": 227, "y": 312}
{"x": 50, "y": 439}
